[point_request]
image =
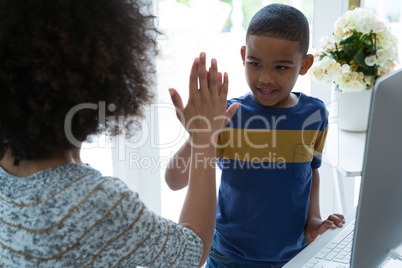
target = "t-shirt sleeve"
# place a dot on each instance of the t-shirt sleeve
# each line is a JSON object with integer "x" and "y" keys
{"x": 320, "y": 141}
{"x": 225, "y": 132}
{"x": 135, "y": 236}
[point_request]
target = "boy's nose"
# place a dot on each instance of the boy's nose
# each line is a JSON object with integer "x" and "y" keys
{"x": 266, "y": 78}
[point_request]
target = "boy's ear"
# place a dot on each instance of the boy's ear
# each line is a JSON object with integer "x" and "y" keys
{"x": 307, "y": 63}
{"x": 243, "y": 54}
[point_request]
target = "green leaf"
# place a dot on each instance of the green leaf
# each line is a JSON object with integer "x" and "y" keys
{"x": 347, "y": 39}
{"x": 349, "y": 48}
{"x": 359, "y": 57}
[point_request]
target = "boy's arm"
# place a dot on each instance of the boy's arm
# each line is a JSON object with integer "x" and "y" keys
{"x": 314, "y": 225}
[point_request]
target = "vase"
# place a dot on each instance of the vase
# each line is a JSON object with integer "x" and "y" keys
{"x": 353, "y": 109}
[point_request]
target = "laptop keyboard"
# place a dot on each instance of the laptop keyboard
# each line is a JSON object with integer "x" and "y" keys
{"x": 339, "y": 250}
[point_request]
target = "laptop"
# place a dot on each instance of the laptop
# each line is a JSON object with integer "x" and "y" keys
{"x": 374, "y": 227}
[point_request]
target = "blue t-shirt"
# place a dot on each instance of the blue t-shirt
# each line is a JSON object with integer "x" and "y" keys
{"x": 266, "y": 155}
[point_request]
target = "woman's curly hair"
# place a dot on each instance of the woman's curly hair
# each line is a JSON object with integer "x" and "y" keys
{"x": 56, "y": 55}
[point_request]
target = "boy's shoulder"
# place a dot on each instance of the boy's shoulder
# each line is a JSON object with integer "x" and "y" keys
{"x": 304, "y": 101}
{"x": 315, "y": 109}
{"x": 313, "y": 101}
{"x": 239, "y": 100}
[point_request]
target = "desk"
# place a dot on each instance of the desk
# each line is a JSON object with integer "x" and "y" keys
{"x": 344, "y": 152}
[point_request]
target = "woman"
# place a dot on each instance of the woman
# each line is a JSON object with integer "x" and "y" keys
{"x": 55, "y": 211}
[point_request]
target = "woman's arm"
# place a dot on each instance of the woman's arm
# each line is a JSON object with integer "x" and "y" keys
{"x": 203, "y": 117}
{"x": 178, "y": 170}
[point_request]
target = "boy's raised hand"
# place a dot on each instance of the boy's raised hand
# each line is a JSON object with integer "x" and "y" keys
{"x": 205, "y": 112}
{"x": 317, "y": 227}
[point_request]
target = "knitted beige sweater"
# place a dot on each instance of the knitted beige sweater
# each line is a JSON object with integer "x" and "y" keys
{"x": 72, "y": 216}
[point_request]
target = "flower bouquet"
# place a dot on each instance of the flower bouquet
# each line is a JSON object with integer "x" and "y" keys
{"x": 363, "y": 49}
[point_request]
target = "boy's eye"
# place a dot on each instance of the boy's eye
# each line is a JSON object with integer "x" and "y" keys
{"x": 281, "y": 67}
{"x": 255, "y": 64}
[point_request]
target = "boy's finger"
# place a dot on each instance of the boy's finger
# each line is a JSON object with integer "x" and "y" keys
{"x": 337, "y": 219}
{"x": 340, "y": 216}
{"x": 230, "y": 112}
{"x": 327, "y": 224}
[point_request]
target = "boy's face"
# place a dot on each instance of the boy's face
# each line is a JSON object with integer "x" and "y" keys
{"x": 272, "y": 67}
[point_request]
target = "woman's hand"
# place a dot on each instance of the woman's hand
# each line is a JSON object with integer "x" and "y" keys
{"x": 205, "y": 113}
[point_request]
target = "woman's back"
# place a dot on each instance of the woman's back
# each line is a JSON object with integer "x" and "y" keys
{"x": 72, "y": 216}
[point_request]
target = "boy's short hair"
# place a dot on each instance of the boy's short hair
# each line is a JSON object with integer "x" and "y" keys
{"x": 281, "y": 21}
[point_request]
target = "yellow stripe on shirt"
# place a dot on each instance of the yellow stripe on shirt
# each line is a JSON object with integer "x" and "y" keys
{"x": 261, "y": 145}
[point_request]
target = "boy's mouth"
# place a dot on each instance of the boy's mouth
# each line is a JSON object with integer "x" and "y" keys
{"x": 267, "y": 93}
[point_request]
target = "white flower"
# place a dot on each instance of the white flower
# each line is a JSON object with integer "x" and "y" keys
{"x": 351, "y": 18}
{"x": 386, "y": 69}
{"x": 358, "y": 19}
{"x": 326, "y": 62}
{"x": 379, "y": 28}
{"x": 323, "y": 39}
{"x": 340, "y": 22}
{"x": 372, "y": 38}
{"x": 351, "y": 82}
{"x": 370, "y": 60}
{"x": 382, "y": 57}
{"x": 345, "y": 68}
{"x": 325, "y": 71}
{"x": 317, "y": 74}
{"x": 393, "y": 41}
{"x": 364, "y": 24}
{"x": 338, "y": 35}
{"x": 325, "y": 44}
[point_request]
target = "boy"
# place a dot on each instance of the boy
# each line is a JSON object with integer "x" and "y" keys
{"x": 270, "y": 152}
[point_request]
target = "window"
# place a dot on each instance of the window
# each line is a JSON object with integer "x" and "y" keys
{"x": 389, "y": 12}
{"x": 97, "y": 154}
